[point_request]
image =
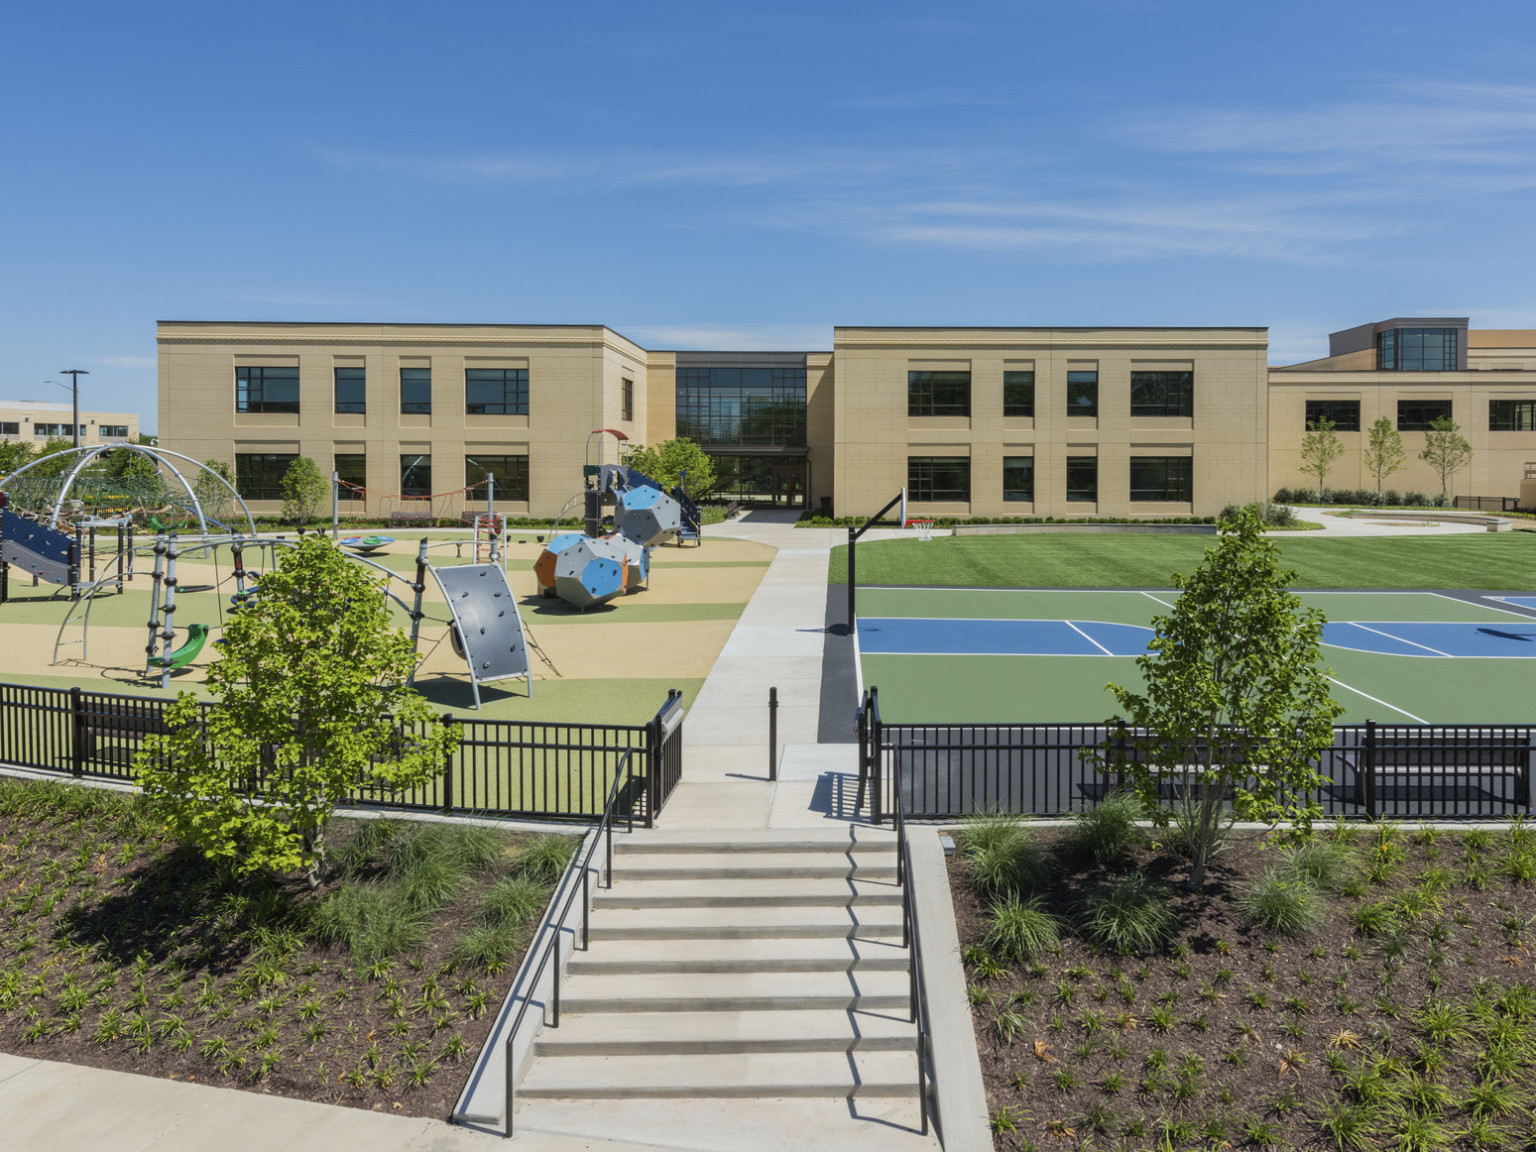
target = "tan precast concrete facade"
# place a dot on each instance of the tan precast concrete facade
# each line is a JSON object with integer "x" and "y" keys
{"x": 1224, "y": 434}
{"x": 1501, "y": 365}
{"x": 36, "y": 420}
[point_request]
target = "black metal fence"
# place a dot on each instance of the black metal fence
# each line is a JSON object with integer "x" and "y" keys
{"x": 501, "y": 767}
{"x": 1437, "y": 771}
{"x": 1488, "y": 503}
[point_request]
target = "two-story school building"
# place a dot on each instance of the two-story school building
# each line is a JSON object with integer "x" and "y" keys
{"x": 972, "y": 421}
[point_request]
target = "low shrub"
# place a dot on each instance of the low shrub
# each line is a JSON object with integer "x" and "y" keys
{"x": 1322, "y": 864}
{"x": 1281, "y": 901}
{"x": 1002, "y": 855}
{"x": 1021, "y": 929}
{"x": 485, "y": 946}
{"x": 369, "y": 921}
{"x": 1107, "y": 832}
{"x": 547, "y": 858}
{"x": 1129, "y": 914}
{"x": 1276, "y": 513}
{"x": 428, "y": 882}
{"x": 512, "y": 903}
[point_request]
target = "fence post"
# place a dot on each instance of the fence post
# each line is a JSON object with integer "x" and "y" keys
{"x": 876, "y": 756}
{"x": 1369, "y": 768}
{"x": 773, "y": 734}
{"x": 1120, "y": 754}
{"x": 652, "y": 770}
{"x": 76, "y": 734}
{"x": 448, "y": 722}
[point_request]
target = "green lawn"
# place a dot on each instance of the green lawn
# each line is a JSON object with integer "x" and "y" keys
{"x": 1494, "y": 561}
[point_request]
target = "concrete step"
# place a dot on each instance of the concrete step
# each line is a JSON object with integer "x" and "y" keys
{"x": 657, "y": 841}
{"x": 824, "y": 954}
{"x": 747, "y": 1075}
{"x": 734, "y": 991}
{"x": 863, "y": 922}
{"x": 755, "y": 866}
{"x": 783, "y": 893}
{"x": 697, "y": 1033}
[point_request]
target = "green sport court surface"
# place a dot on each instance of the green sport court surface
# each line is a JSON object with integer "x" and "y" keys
{"x": 999, "y": 655}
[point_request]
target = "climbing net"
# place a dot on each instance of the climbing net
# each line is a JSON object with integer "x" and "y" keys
{"x": 376, "y": 505}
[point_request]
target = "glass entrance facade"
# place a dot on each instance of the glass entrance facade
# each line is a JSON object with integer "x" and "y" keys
{"x": 731, "y": 403}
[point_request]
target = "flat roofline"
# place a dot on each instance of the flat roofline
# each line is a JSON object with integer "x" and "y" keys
{"x": 1051, "y": 328}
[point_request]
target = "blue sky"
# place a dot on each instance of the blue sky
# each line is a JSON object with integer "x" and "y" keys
{"x": 718, "y": 175}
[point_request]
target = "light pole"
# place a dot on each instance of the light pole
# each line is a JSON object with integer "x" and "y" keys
{"x": 74, "y": 375}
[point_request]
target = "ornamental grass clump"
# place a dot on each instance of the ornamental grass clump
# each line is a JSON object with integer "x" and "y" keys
{"x": 1107, "y": 832}
{"x": 1326, "y": 865}
{"x": 1002, "y": 855}
{"x": 1129, "y": 914}
{"x": 1021, "y": 929}
{"x": 1281, "y": 901}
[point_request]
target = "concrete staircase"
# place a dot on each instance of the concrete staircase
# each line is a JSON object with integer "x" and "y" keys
{"x": 754, "y": 965}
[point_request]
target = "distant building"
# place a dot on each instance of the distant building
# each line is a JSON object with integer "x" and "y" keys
{"x": 37, "y": 420}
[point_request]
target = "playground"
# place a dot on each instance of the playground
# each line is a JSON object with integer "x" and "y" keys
{"x": 93, "y": 570}
{"x": 978, "y": 655}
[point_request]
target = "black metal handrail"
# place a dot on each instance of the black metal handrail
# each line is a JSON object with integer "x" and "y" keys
{"x": 911, "y": 940}
{"x": 552, "y": 945}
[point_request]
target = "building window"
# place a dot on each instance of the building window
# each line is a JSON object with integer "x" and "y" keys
{"x": 416, "y": 391}
{"x": 1345, "y": 414}
{"x": 1019, "y": 393}
{"x": 938, "y": 393}
{"x": 10, "y": 428}
{"x": 351, "y": 389}
{"x": 742, "y": 407}
{"x": 352, "y": 471}
{"x": 1417, "y": 415}
{"x": 496, "y": 391}
{"x": 1083, "y": 393}
{"x": 1018, "y": 478}
{"x": 1166, "y": 479}
{"x": 1512, "y": 415}
{"x": 415, "y": 475}
{"x": 1082, "y": 479}
{"x": 934, "y": 478}
{"x": 626, "y": 399}
{"x": 1417, "y": 350}
{"x": 1162, "y": 393}
{"x": 511, "y": 473}
{"x": 259, "y": 476}
{"x": 56, "y": 429}
{"x": 266, "y": 389}
{"x": 112, "y": 431}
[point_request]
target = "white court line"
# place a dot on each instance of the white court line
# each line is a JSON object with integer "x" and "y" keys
{"x": 1399, "y": 639}
{"x": 1495, "y": 608}
{"x": 1377, "y": 700}
{"x": 1164, "y": 603}
{"x": 1087, "y": 637}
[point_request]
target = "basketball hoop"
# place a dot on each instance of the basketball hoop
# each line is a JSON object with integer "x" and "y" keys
{"x": 924, "y": 529}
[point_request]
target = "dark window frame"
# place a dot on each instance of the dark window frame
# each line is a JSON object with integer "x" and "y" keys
{"x": 411, "y": 403}
{"x": 1163, "y": 479}
{"x": 254, "y": 383}
{"x": 754, "y": 406}
{"x": 10, "y": 427}
{"x": 513, "y": 385}
{"x": 353, "y": 468}
{"x": 1022, "y": 490}
{"x": 1412, "y": 350}
{"x": 1512, "y": 415}
{"x": 260, "y": 477}
{"x": 1083, "y": 392}
{"x": 1331, "y": 410}
{"x": 419, "y": 463}
{"x": 939, "y": 479}
{"x": 510, "y": 469}
{"x": 626, "y": 399}
{"x": 1418, "y": 421}
{"x": 1162, "y": 392}
{"x": 1019, "y": 393}
{"x": 353, "y": 381}
{"x": 939, "y": 393}
{"x": 1083, "y": 493}
{"x": 112, "y": 431}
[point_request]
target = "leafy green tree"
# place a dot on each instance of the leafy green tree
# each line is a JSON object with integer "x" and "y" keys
{"x": 1320, "y": 450}
{"x": 311, "y": 700}
{"x": 1236, "y": 702}
{"x": 1446, "y": 451}
{"x": 668, "y": 460}
{"x": 206, "y": 488}
{"x": 303, "y": 489}
{"x": 122, "y": 464}
{"x": 52, "y": 446}
{"x": 13, "y": 454}
{"x": 1383, "y": 451}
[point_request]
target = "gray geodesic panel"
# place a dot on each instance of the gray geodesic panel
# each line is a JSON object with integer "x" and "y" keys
{"x": 589, "y": 571}
{"x": 648, "y": 516}
{"x": 485, "y": 614}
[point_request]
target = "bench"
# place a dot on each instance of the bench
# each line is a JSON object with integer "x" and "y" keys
{"x": 732, "y": 510}
{"x": 1443, "y": 759}
{"x": 1171, "y": 787}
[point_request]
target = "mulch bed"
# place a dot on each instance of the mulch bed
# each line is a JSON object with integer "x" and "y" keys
{"x": 121, "y": 950}
{"x": 1093, "y": 1060}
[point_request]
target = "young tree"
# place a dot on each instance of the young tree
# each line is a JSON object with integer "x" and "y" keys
{"x": 1446, "y": 451}
{"x": 207, "y": 489}
{"x": 303, "y": 489}
{"x": 1320, "y": 448}
{"x": 1236, "y": 705}
{"x": 1383, "y": 451}
{"x": 52, "y": 446}
{"x": 311, "y": 700}
{"x": 668, "y": 460}
{"x": 13, "y": 454}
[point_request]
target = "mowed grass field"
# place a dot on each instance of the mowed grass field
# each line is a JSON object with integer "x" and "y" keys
{"x": 1496, "y": 561}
